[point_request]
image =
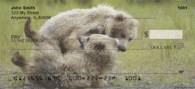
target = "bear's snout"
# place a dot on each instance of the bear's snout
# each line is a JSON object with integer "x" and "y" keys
{"x": 121, "y": 48}
{"x": 122, "y": 45}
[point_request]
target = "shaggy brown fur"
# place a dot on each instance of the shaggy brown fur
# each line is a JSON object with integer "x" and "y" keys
{"x": 67, "y": 26}
{"x": 97, "y": 57}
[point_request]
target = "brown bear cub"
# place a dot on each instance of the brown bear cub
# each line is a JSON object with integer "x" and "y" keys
{"x": 65, "y": 27}
{"x": 51, "y": 69}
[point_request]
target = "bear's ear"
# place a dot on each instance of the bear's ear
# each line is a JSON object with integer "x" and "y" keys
{"x": 100, "y": 29}
{"x": 82, "y": 40}
{"x": 93, "y": 31}
{"x": 18, "y": 60}
{"x": 119, "y": 17}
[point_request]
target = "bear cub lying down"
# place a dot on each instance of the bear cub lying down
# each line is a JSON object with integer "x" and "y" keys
{"x": 97, "y": 58}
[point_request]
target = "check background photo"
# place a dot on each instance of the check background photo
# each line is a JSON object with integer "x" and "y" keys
{"x": 161, "y": 56}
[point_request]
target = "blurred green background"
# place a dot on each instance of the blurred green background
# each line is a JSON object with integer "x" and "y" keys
{"x": 154, "y": 66}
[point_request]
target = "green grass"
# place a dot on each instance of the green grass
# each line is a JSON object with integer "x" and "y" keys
{"x": 165, "y": 15}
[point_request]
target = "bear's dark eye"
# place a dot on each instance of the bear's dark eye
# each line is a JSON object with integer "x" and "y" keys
{"x": 114, "y": 33}
{"x": 123, "y": 35}
{"x": 130, "y": 39}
